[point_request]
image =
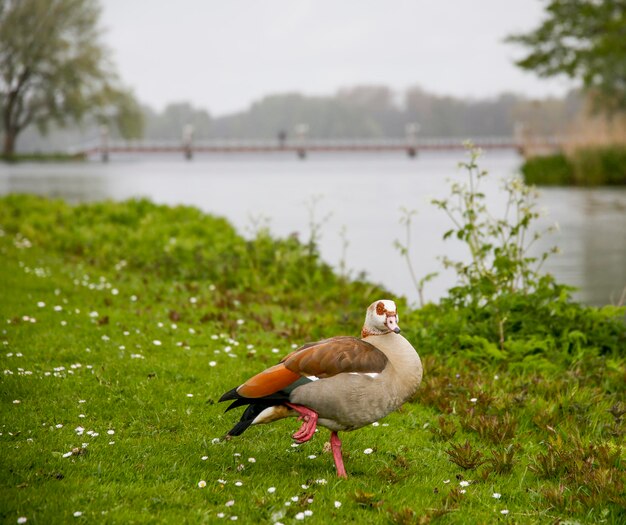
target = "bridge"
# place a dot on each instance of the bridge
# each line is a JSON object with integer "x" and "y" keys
{"x": 301, "y": 148}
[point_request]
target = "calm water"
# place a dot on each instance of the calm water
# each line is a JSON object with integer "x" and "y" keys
{"x": 361, "y": 195}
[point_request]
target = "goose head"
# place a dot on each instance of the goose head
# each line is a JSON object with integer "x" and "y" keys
{"x": 381, "y": 318}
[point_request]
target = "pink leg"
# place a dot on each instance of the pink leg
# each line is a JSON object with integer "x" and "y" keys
{"x": 335, "y": 445}
{"x": 309, "y": 422}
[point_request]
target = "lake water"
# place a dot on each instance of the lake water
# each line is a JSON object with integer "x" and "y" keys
{"x": 360, "y": 195}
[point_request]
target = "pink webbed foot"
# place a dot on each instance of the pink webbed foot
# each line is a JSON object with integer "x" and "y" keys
{"x": 335, "y": 445}
{"x": 309, "y": 422}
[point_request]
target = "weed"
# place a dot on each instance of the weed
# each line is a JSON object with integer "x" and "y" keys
{"x": 465, "y": 456}
{"x": 445, "y": 429}
{"x": 503, "y": 460}
{"x": 497, "y": 429}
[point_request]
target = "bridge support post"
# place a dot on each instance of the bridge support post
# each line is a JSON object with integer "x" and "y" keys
{"x": 301, "y": 134}
{"x": 188, "y": 141}
{"x": 104, "y": 143}
{"x": 411, "y": 130}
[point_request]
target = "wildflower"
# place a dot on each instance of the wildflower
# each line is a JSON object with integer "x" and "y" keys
{"x": 81, "y": 415}
{"x": 504, "y": 511}
{"x": 79, "y": 430}
{"x": 321, "y": 481}
{"x": 375, "y": 423}
{"x": 16, "y": 401}
{"x": 337, "y": 504}
{"x": 294, "y": 499}
{"x": 368, "y": 451}
{"x": 308, "y": 512}
{"x": 41, "y": 304}
{"x": 58, "y": 308}
{"x": 474, "y": 399}
{"x": 212, "y": 363}
{"x": 133, "y": 298}
{"x": 251, "y": 460}
{"x": 111, "y": 442}
{"x": 271, "y": 490}
{"x": 496, "y": 495}
{"x": 78, "y": 514}
{"x": 193, "y": 300}
{"x": 156, "y": 342}
{"x": 192, "y": 331}
{"x": 464, "y": 483}
{"x": 67, "y": 454}
{"x": 275, "y": 350}
{"x": 446, "y": 481}
{"x": 115, "y": 291}
{"x": 189, "y": 395}
{"x": 300, "y": 516}
{"x": 93, "y": 314}
{"x": 234, "y": 518}
{"x": 238, "y": 483}
{"x": 22, "y": 519}
{"x": 304, "y": 486}
{"x": 462, "y": 491}
{"x": 215, "y": 440}
{"x": 221, "y": 481}
{"x": 230, "y": 503}
{"x": 110, "y": 432}
{"x": 204, "y": 458}
{"x": 220, "y": 514}
{"x": 312, "y": 456}
{"x": 58, "y": 425}
{"x": 201, "y": 483}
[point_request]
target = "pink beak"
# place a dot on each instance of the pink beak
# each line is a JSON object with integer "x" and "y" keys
{"x": 392, "y": 324}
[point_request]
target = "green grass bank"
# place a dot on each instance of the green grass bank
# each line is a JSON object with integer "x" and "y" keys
{"x": 585, "y": 167}
{"x": 123, "y": 323}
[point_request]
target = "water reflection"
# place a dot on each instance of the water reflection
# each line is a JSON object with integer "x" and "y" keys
{"x": 364, "y": 194}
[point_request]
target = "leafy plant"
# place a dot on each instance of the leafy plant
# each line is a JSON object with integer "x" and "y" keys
{"x": 500, "y": 261}
{"x": 502, "y": 460}
{"x": 465, "y": 456}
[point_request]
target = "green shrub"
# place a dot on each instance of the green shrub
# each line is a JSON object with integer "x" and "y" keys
{"x": 599, "y": 166}
{"x": 550, "y": 170}
{"x": 604, "y": 166}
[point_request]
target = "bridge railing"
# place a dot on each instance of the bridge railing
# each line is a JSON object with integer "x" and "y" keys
{"x": 302, "y": 145}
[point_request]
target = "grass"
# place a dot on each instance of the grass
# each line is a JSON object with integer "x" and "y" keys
{"x": 591, "y": 166}
{"x": 130, "y": 320}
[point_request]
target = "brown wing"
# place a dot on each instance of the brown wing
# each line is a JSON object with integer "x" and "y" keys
{"x": 336, "y": 356}
{"x": 323, "y": 359}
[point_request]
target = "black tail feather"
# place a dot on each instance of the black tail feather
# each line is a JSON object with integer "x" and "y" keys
{"x": 248, "y": 417}
{"x": 255, "y": 407}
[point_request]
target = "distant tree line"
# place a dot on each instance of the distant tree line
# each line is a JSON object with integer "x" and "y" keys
{"x": 358, "y": 112}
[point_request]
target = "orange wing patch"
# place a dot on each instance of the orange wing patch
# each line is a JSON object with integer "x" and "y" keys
{"x": 268, "y": 382}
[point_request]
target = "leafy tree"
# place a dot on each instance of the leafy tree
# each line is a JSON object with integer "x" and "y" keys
{"x": 585, "y": 40}
{"x": 54, "y": 69}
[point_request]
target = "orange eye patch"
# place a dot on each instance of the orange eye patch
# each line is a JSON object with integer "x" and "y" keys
{"x": 380, "y": 308}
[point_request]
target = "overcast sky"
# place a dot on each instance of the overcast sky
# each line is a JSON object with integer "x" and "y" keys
{"x": 224, "y": 54}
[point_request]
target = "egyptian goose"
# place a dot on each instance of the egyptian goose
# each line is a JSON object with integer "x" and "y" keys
{"x": 341, "y": 383}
